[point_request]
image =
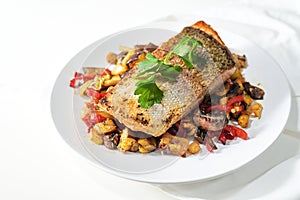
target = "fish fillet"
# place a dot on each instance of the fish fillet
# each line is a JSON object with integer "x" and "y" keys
{"x": 216, "y": 66}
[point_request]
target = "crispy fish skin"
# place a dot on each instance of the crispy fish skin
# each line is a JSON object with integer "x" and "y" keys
{"x": 179, "y": 97}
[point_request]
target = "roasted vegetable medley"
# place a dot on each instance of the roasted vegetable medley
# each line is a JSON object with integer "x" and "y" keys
{"x": 222, "y": 115}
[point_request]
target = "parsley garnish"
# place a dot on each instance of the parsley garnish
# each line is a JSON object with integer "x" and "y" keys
{"x": 152, "y": 67}
{"x": 149, "y": 92}
{"x": 185, "y": 49}
{"x": 147, "y": 88}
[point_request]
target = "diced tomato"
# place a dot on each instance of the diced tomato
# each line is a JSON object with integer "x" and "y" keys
{"x": 95, "y": 94}
{"x": 92, "y": 118}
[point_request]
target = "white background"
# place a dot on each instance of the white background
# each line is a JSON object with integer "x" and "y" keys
{"x": 37, "y": 39}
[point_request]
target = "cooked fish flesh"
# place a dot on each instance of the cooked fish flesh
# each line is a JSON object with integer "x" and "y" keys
{"x": 180, "y": 97}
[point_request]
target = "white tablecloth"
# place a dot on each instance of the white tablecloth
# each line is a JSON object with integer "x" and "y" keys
{"x": 39, "y": 37}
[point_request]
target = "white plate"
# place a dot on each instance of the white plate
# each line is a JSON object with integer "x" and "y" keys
{"x": 155, "y": 168}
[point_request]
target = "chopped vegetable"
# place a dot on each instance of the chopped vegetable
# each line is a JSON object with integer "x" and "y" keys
{"x": 226, "y": 135}
{"x": 83, "y": 88}
{"x": 253, "y": 91}
{"x": 228, "y": 107}
{"x": 256, "y": 108}
{"x": 90, "y": 119}
{"x": 90, "y": 72}
{"x": 127, "y": 143}
{"x": 190, "y": 127}
{"x": 134, "y": 147}
{"x": 230, "y": 132}
{"x": 111, "y": 141}
{"x": 127, "y": 57}
{"x": 75, "y": 82}
{"x": 146, "y": 145}
{"x": 194, "y": 147}
{"x": 105, "y": 126}
{"x": 106, "y": 74}
{"x": 95, "y": 94}
{"x": 173, "y": 144}
{"x": 113, "y": 81}
{"x": 237, "y": 74}
{"x": 247, "y": 99}
{"x": 96, "y": 138}
{"x": 234, "y": 101}
{"x": 119, "y": 69}
{"x": 236, "y": 111}
{"x": 200, "y": 136}
{"x": 111, "y": 58}
{"x": 243, "y": 120}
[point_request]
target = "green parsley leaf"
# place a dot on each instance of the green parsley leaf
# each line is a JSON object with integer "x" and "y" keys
{"x": 149, "y": 92}
{"x": 170, "y": 72}
{"x": 185, "y": 49}
{"x": 155, "y": 66}
{"x": 151, "y": 67}
{"x": 148, "y": 63}
{"x": 147, "y": 88}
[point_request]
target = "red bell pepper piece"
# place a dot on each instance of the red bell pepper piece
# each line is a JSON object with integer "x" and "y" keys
{"x": 95, "y": 94}
{"x": 72, "y": 83}
{"x": 77, "y": 77}
{"x": 226, "y": 134}
{"x": 226, "y": 107}
{"x": 241, "y": 133}
{"x": 229, "y": 132}
{"x": 234, "y": 100}
{"x": 105, "y": 72}
{"x": 237, "y": 132}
